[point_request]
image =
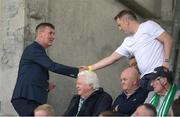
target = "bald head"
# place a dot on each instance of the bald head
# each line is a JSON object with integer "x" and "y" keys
{"x": 129, "y": 79}
{"x": 131, "y": 73}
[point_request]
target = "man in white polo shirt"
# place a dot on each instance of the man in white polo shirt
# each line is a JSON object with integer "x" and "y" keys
{"x": 148, "y": 42}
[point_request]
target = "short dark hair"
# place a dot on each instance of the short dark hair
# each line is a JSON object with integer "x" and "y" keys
{"x": 150, "y": 108}
{"x": 42, "y": 25}
{"x": 131, "y": 15}
{"x": 176, "y": 107}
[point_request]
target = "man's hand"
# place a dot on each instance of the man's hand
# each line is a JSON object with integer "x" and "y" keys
{"x": 51, "y": 86}
{"x": 82, "y": 68}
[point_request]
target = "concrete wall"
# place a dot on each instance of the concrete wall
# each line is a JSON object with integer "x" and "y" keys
{"x": 12, "y": 33}
{"x": 85, "y": 33}
{"x": 154, "y": 6}
{"x": 0, "y": 49}
{"x": 18, "y": 20}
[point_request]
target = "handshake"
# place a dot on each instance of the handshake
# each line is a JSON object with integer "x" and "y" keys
{"x": 82, "y": 68}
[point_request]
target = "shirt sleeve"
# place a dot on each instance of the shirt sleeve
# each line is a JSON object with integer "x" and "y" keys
{"x": 123, "y": 49}
{"x": 153, "y": 29}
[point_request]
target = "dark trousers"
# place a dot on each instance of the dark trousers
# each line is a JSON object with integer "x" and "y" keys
{"x": 145, "y": 83}
{"x": 25, "y": 107}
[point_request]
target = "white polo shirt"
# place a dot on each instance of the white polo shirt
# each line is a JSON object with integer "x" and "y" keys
{"x": 144, "y": 45}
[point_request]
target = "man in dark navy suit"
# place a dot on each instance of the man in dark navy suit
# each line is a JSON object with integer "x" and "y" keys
{"x": 32, "y": 86}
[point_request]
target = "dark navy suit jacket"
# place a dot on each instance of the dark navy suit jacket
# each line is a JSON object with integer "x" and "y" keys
{"x": 33, "y": 75}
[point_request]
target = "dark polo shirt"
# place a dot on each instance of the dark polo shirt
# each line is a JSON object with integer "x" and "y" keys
{"x": 127, "y": 105}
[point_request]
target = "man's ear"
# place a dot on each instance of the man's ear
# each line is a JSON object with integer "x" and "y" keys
{"x": 135, "y": 82}
{"x": 91, "y": 86}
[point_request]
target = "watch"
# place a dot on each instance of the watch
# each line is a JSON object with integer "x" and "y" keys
{"x": 166, "y": 60}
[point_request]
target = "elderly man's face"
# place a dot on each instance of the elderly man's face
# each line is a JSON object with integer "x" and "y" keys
{"x": 83, "y": 89}
{"x": 129, "y": 79}
{"x": 126, "y": 82}
{"x": 158, "y": 84}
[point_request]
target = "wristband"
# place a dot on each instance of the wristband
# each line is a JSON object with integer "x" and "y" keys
{"x": 90, "y": 67}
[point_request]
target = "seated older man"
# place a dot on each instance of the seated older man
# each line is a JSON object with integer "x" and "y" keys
{"x": 132, "y": 94}
{"x": 91, "y": 100}
{"x": 165, "y": 91}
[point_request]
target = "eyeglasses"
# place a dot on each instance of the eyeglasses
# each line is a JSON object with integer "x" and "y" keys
{"x": 157, "y": 79}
